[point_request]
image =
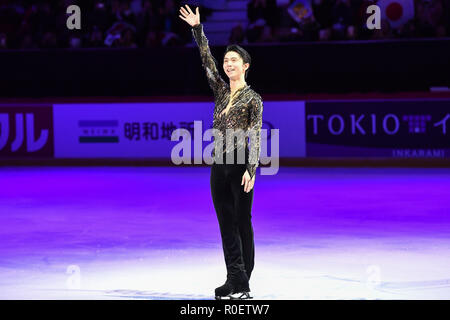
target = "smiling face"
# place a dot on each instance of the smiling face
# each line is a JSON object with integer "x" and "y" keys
{"x": 234, "y": 66}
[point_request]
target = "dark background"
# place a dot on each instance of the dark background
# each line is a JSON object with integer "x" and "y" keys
{"x": 386, "y": 66}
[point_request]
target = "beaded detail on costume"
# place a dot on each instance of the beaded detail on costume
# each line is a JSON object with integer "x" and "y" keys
{"x": 244, "y": 117}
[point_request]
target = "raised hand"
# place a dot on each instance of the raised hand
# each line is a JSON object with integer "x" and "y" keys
{"x": 190, "y": 17}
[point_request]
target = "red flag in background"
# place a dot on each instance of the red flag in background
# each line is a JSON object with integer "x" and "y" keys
{"x": 397, "y": 12}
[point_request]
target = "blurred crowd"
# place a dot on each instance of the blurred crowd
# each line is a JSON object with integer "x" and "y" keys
{"x": 341, "y": 20}
{"x": 26, "y": 24}
{"x": 30, "y": 24}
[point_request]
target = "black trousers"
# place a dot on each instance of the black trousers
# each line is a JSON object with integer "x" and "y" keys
{"x": 233, "y": 209}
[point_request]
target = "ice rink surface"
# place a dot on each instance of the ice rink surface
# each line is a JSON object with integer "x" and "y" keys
{"x": 152, "y": 233}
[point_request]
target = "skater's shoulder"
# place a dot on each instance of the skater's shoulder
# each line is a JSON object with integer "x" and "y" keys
{"x": 253, "y": 94}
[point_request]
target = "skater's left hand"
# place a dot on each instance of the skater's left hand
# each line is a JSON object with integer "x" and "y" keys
{"x": 247, "y": 182}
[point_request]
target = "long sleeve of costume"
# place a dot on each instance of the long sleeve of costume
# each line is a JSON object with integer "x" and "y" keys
{"x": 212, "y": 73}
{"x": 255, "y": 124}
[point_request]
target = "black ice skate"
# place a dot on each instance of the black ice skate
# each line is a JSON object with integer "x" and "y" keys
{"x": 241, "y": 291}
{"x": 228, "y": 291}
{"x": 224, "y": 291}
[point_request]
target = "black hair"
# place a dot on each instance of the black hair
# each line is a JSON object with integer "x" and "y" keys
{"x": 242, "y": 53}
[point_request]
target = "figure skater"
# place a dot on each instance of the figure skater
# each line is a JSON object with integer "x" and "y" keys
{"x": 237, "y": 107}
